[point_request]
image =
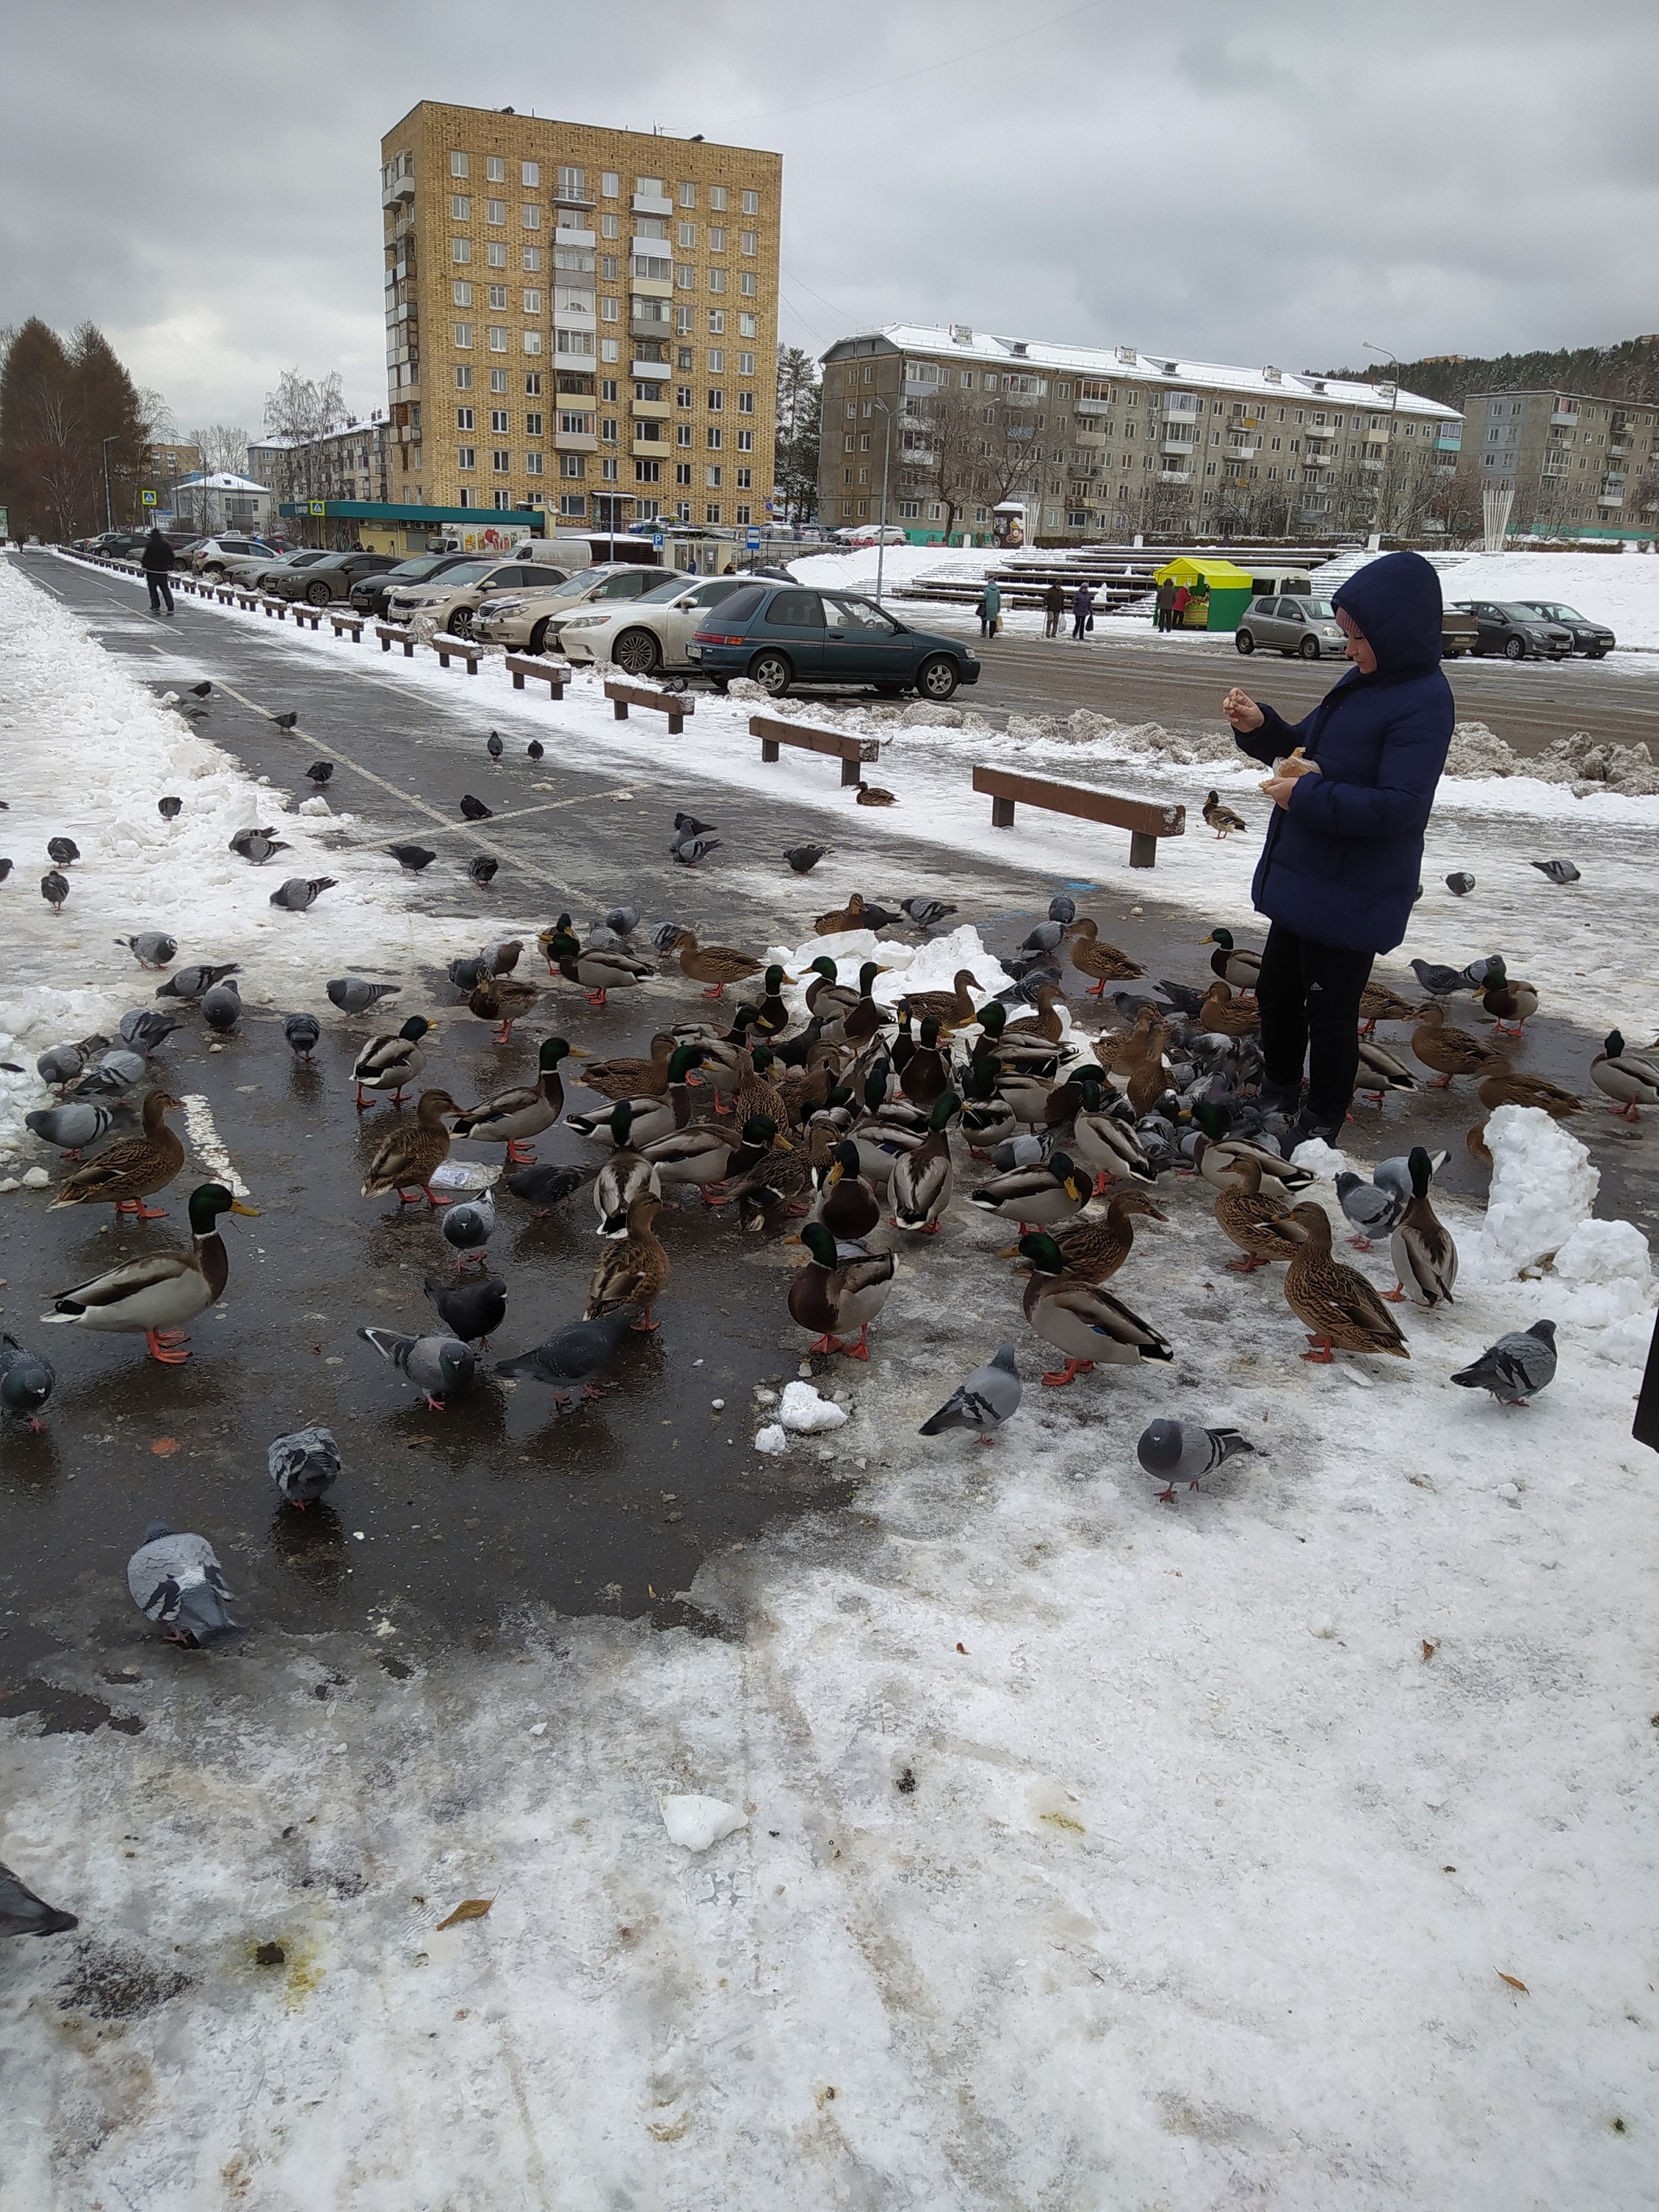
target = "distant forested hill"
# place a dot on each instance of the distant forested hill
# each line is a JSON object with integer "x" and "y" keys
{"x": 1629, "y": 370}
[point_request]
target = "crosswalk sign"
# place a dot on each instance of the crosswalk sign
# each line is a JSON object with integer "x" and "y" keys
{"x": 147, "y": 499}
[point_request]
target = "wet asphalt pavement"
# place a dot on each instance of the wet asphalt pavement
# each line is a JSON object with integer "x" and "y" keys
{"x": 500, "y": 1504}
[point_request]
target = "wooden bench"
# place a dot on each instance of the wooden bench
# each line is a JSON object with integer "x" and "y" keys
{"x": 850, "y": 751}
{"x": 275, "y": 606}
{"x": 391, "y": 634}
{"x": 1144, "y": 819}
{"x": 301, "y": 613}
{"x": 674, "y": 704}
{"x": 449, "y": 647}
{"x": 340, "y": 623}
{"x": 556, "y": 674}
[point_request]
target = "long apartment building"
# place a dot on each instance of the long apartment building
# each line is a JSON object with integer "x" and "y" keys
{"x": 1573, "y": 463}
{"x": 578, "y": 320}
{"x": 347, "y": 463}
{"x": 1100, "y": 443}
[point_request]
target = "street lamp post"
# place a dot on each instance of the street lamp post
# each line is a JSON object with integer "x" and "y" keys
{"x": 109, "y": 517}
{"x": 886, "y": 456}
{"x": 1389, "y": 355}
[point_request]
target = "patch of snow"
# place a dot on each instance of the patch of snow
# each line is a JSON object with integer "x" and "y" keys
{"x": 1543, "y": 1186}
{"x": 1319, "y": 1159}
{"x": 804, "y": 1414}
{"x": 771, "y": 1439}
{"x": 696, "y": 1823}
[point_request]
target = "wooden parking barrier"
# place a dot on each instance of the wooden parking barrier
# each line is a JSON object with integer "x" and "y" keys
{"x": 556, "y": 674}
{"x": 246, "y": 600}
{"x": 340, "y": 623}
{"x": 1145, "y": 820}
{"x": 302, "y": 614}
{"x": 274, "y": 606}
{"x": 675, "y": 704}
{"x": 449, "y": 648}
{"x": 850, "y": 751}
{"x": 391, "y": 634}
{"x": 225, "y": 595}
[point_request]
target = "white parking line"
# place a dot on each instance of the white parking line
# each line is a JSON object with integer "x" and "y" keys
{"x": 209, "y": 1146}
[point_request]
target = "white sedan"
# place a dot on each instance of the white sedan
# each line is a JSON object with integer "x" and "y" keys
{"x": 646, "y": 635}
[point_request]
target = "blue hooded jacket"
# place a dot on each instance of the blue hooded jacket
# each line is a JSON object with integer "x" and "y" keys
{"x": 1341, "y": 863}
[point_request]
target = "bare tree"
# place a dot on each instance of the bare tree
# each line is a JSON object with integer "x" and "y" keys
{"x": 223, "y": 447}
{"x": 303, "y": 409}
{"x": 951, "y": 425}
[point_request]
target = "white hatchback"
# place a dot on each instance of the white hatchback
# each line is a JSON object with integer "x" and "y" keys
{"x": 648, "y": 634}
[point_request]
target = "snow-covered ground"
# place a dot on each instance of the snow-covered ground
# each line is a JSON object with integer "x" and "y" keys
{"x": 1322, "y": 1881}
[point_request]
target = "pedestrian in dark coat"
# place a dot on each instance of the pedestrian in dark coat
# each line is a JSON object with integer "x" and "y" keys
{"x": 990, "y": 606}
{"x": 1341, "y": 861}
{"x": 1082, "y": 610}
{"x": 157, "y": 562}
{"x": 1054, "y": 606}
{"x": 1165, "y": 605}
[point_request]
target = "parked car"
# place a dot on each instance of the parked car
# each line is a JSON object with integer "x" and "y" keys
{"x": 209, "y": 558}
{"x": 645, "y": 635}
{"x": 1459, "y": 632}
{"x": 531, "y": 620}
{"x": 452, "y": 599}
{"x": 779, "y": 635}
{"x": 259, "y": 571}
{"x": 872, "y": 533}
{"x": 1302, "y": 626}
{"x": 369, "y": 593}
{"x": 1517, "y": 632}
{"x": 331, "y": 578}
{"x": 1592, "y": 639}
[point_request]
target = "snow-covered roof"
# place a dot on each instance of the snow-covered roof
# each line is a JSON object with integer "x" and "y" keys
{"x": 1132, "y": 365}
{"x": 222, "y": 481}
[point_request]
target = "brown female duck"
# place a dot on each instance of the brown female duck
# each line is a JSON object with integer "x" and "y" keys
{"x": 1339, "y": 1309}
{"x": 133, "y": 1169}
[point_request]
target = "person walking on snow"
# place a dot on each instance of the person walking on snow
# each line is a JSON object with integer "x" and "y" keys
{"x": 157, "y": 561}
{"x": 1353, "y": 787}
{"x": 1164, "y": 604}
{"x": 1082, "y": 610}
{"x": 1054, "y": 606}
{"x": 990, "y": 606}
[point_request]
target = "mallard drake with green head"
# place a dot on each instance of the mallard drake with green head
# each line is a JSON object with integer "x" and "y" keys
{"x": 833, "y": 1296}
{"x": 513, "y": 1116}
{"x": 626, "y": 1176}
{"x": 708, "y": 1157}
{"x": 599, "y": 968}
{"x": 1235, "y": 964}
{"x": 1422, "y": 1247}
{"x": 1105, "y": 1138}
{"x": 155, "y": 1297}
{"x": 1053, "y": 1190}
{"x": 846, "y": 1202}
{"x": 1085, "y": 1322}
{"x": 387, "y": 1063}
{"x": 922, "y": 1181}
{"x": 1628, "y": 1077}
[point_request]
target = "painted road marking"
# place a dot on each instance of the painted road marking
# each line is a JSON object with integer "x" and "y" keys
{"x": 209, "y": 1145}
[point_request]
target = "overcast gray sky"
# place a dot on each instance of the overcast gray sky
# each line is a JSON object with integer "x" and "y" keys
{"x": 1226, "y": 182}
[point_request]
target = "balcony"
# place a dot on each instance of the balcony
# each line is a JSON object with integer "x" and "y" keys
{"x": 1178, "y": 441}
{"x": 1554, "y": 471}
{"x": 572, "y": 198}
{"x": 574, "y": 441}
{"x": 649, "y": 327}
{"x": 1167, "y": 475}
{"x": 650, "y": 449}
{"x": 1375, "y": 464}
{"x": 1187, "y": 409}
{"x": 1449, "y": 441}
{"x": 1569, "y": 415}
{"x": 1611, "y": 499}
{"x": 1093, "y": 406}
{"x": 1618, "y": 450}
{"x": 649, "y": 411}
{"x": 1091, "y": 439}
{"x": 586, "y": 239}
{"x": 652, "y": 288}
{"x": 650, "y": 371}
{"x": 1242, "y": 453}
{"x": 649, "y": 204}
{"x": 402, "y": 191}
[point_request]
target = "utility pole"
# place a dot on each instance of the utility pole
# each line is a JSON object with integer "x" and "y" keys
{"x": 109, "y": 516}
{"x": 1392, "y": 357}
{"x": 886, "y": 457}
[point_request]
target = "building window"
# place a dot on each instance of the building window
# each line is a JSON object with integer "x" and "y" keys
{"x": 577, "y": 343}
{"x": 496, "y": 212}
{"x": 716, "y": 438}
{"x": 745, "y": 367}
{"x": 688, "y": 195}
{"x": 503, "y": 499}
{"x": 716, "y": 401}
{"x": 463, "y": 334}
{"x": 711, "y": 476}
{"x": 532, "y": 299}
{"x": 458, "y": 165}
{"x": 712, "y": 514}
{"x": 717, "y": 199}
{"x": 466, "y": 457}
{"x": 501, "y": 462}
{"x": 532, "y": 341}
{"x": 461, "y": 292}
{"x": 533, "y": 464}
{"x": 498, "y": 298}
{"x": 498, "y": 380}
{"x": 909, "y": 510}
{"x": 494, "y": 169}
{"x": 464, "y": 377}
{"x": 464, "y": 497}
{"x": 610, "y": 226}
{"x": 751, "y": 203}
{"x": 745, "y": 479}
{"x": 686, "y": 237}
{"x": 685, "y": 276}
{"x": 608, "y": 430}
{"x": 607, "y": 387}
{"x": 745, "y": 441}
{"x": 608, "y": 466}
{"x": 716, "y": 364}
{"x": 497, "y": 338}
{"x": 717, "y": 283}
{"x": 647, "y": 472}
{"x": 460, "y": 251}
{"x": 498, "y": 422}
{"x": 464, "y": 418}
{"x": 683, "y": 434}
{"x": 573, "y": 464}
{"x": 529, "y": 216}
{"x": 747, "y": 328}
{"x": 717, "y": 322}
{"x": 495, "y": 255}
{"x": 532, "y": 260}
{"x": 610, "y": 310}
{"x": 681, "y": 472}
{"x": 748, "y": 283}
{"x": 533, "y": 426}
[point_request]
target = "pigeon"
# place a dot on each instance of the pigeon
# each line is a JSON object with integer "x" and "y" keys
{"x": 1188, "y": 1001}
{"x": 302, "y": 1031}
{"x": 1459, "y": 882}
{"x": 54, "y": 889}
{"x": 285, "y": 721}
{"x": 23, "y": 1913}
{"x": 687, "y": 825}
{"x": 1372, "y": 1209}
{"x": 1439, "y": 981}
{"x": 879, "y": 917}
{"x": 258, "y": 846}
{"x": 474, "y": 809}
{"x": 926, "y": 913}
{"x": 150, "y": 948}
{"x": 466, "y": 975}
{"x": 482, "y": 869}
{"x": 1045, "y": 938}
{"x": 493, "y": 746}
{"x": 71, "y": 1128}
{"x": 25, "y": 1381}
{"x": 545, "y": 1187}
{"x": 1172, "y": 1450}
{"x": 803, "y": 858}
{"x": 440, "y": 1367}
{"x": 1062, "y": 909}
{"x": 1396, "y": 1174}
{"x": 62, "y": 852}
{"x": 468, "y": 1227}
{"x": 318, "y": 773}
{"x": 200, "y": 690}
{"x": 222, "y": 1008}
{"x": 1559, "y": 871}
{"x": 300, "y": 892}
{"x": 414, "y": 857}
{"x": 664, "y": 935}
{"x": 169, "y": 808}
{"x": 116, "y": 1072}
{"x": 534, "y": 748}
{"x": 6, "y": 868}
{"x": 989, "y": 1396}
{"x": 1021, "y": 1151}
{"x": 1476, "y": 973}
{"x": 303, "y": 1466}
{"x": 177, "y": 1580}
{"x": 191, "y": 982}
{"x": 62, "y": 1063}
{"x": 352, "y": 995}
{"x": 502, "y": 957}
{"x": 691, "y": 846}
{"x": 473, "y": 1311}
{"x": 622, "y": 920}
{"x": 146, "y": 1030}
{"x": 572, "y": 1356}
{"x": 1516, "y": 1368}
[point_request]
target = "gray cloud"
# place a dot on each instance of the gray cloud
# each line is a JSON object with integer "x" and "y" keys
{"x": 1224, "y": 183}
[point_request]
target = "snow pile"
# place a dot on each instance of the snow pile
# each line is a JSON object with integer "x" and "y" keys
{"x": 804, "y": 1414}
{"x": 1606, "y": 1264}
{"x": 932, "y": 966}
{"x": 1542, "y": 1188}
{"x": 1585, "y": 764}
{"x": 695, "y": 1823}
{"x": 771, "y": 1440}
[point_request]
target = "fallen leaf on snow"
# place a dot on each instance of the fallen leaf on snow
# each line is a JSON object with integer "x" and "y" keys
{"x": 164, "y": 1447}
{"x": 1429, "y": 1649}
{"x": 1513, "y": 1983}
{"x": 471, "y": 1908}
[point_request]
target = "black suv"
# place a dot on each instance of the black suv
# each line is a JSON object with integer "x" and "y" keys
{"x": 368, "y": 593}
{"x": 1594, "y": 639}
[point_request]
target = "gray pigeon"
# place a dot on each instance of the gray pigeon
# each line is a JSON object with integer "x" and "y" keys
{"x": 146, "y": 1030}
{"x": 1559, "y": 871}
{"x": 300, "y": 892}
{"x": 71, "y": 1128}
{"x": 572, "y": 1356}
{"x": 25, "y": 1381}
{"x": 169, "y": 808}
{"x": 222, "y": 1008}
{"x": 467, "y": 974}
{"x": 303, "y": 1466}
{"x": 1172, "y": 1451}
{"x": 622, "y": 920}
{"x": 258, "y": 846}
{"x": 474, "y": 1310}
{"x": 352, "y": 995}
{"x": 493, "y": 746}
{"x": 482, "y": 867}
{"x": 1062, "y": 909}
{"x": 688, "y": 849}
{"x": 116, "y": 1072}
{"x": 989, "y": 1396}
{"x": 1516, "y": 1368}
{"x": 544, "y": 1186}
{"x": 1437, "y": 980}
{"x": 23, "y": 1913}
{"x": 440, "y": 1367}
{"x": 687, "y": 825}
{"x": 54, "y": 889}
{"x": 64, "y": 852}
{"x": 177, "y": 1580}
{"x": 302, "y": 1032}
{"x": 62, "y": 1063}
{"x": 803, "y": 858}
{"x": 926, "y": 913}
{"x": 412, "y": 857}
{"x": 1372, "y": 1210}
{"x": 191, "y": 982}
{"x": 1045, "y": 938}
{"x": 150, "y": 948}
{"x": 1396, "y": 1174}
{"x": 502, "y": 957}
{"x": 468, "y": 1227}
{"x": 1459, "y": 882}
{"x": 663, "y": 936}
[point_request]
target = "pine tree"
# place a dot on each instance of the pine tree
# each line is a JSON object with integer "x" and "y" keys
{"x": 40, "y": 439}
{"x": 800, "y": 420}
{"x": 106, "y": 405}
